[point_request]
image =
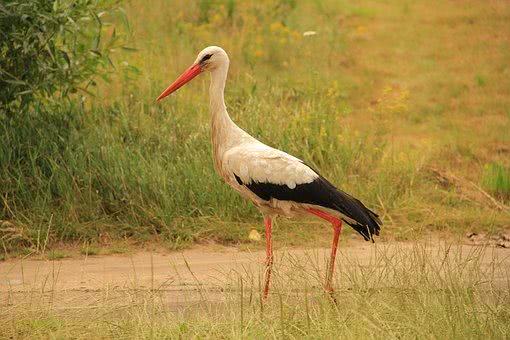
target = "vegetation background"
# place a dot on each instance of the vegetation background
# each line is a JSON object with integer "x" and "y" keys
{"x": 404, "y": 104}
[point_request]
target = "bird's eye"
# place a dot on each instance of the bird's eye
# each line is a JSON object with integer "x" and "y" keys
{"x": 206, "y": 57}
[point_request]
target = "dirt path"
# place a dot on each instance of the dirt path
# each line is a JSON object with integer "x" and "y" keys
{"x": 183, "y": 275}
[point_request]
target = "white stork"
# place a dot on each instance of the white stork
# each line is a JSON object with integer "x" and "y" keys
{"x": 277, "y": 183}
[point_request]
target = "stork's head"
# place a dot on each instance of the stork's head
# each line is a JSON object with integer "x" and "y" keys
{"x": 209, "y": 59}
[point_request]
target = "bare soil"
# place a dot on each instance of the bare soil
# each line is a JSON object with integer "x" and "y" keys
{"x": 182, "y": 277}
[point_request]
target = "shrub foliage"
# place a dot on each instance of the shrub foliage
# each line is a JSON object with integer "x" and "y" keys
{"x": 50, "y": 48}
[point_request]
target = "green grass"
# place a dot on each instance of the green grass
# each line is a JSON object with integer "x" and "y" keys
{"x": 56, "y": 254}
{"x": 90, "y": 249}
{"x": 380, "y": 95}
{"x": 496, "y": 178}
{"x": 409, "y": 292}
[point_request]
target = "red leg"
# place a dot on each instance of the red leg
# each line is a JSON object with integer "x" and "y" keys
{"x": 269, "y": 255}
{"x": 337, "y": 228}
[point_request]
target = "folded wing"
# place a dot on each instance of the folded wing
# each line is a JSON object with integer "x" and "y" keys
{"x": 274, "y": 174}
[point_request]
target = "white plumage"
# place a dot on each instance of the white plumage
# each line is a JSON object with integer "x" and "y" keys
{"x": 256, "y": 162}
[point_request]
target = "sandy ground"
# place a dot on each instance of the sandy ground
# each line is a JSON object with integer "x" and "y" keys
{"x": 182, "y": 277}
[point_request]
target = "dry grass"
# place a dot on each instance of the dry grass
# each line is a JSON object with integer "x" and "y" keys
{"x": 417, "y": 291}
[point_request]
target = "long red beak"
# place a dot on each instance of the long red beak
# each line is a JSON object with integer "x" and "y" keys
{"x": 185, "y": 77}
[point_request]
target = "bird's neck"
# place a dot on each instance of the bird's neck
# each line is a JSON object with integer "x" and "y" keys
{"x": 216, "y": 92}
{"x": 223, "y": 129}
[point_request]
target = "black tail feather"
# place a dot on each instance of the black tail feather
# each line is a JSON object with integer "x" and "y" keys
{"x": 322, "y": 193}
{"x": 366, "y": 222}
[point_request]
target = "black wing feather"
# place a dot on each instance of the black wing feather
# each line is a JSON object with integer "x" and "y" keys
{"x": 322, "y": 193}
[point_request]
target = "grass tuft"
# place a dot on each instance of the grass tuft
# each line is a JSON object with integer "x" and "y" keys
{"x": 496, "y": 178}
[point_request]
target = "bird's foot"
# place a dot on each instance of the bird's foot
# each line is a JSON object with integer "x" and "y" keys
{"x": 330, "y": 294}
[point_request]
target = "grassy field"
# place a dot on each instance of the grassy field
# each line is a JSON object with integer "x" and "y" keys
{"x": 404, "y": 104}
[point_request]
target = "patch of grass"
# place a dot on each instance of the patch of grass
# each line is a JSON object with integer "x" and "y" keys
{"x": 118, "y": 249}
{"x": 57, "y": 254}
{"x": 480, "y": 80}
{"x": 90, "y": 249}
{"x": 409, "y": 292}
{"x": 496, "y": 178}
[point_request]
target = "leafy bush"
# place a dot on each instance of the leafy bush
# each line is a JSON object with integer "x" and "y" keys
{"x": 50, "y": 48}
